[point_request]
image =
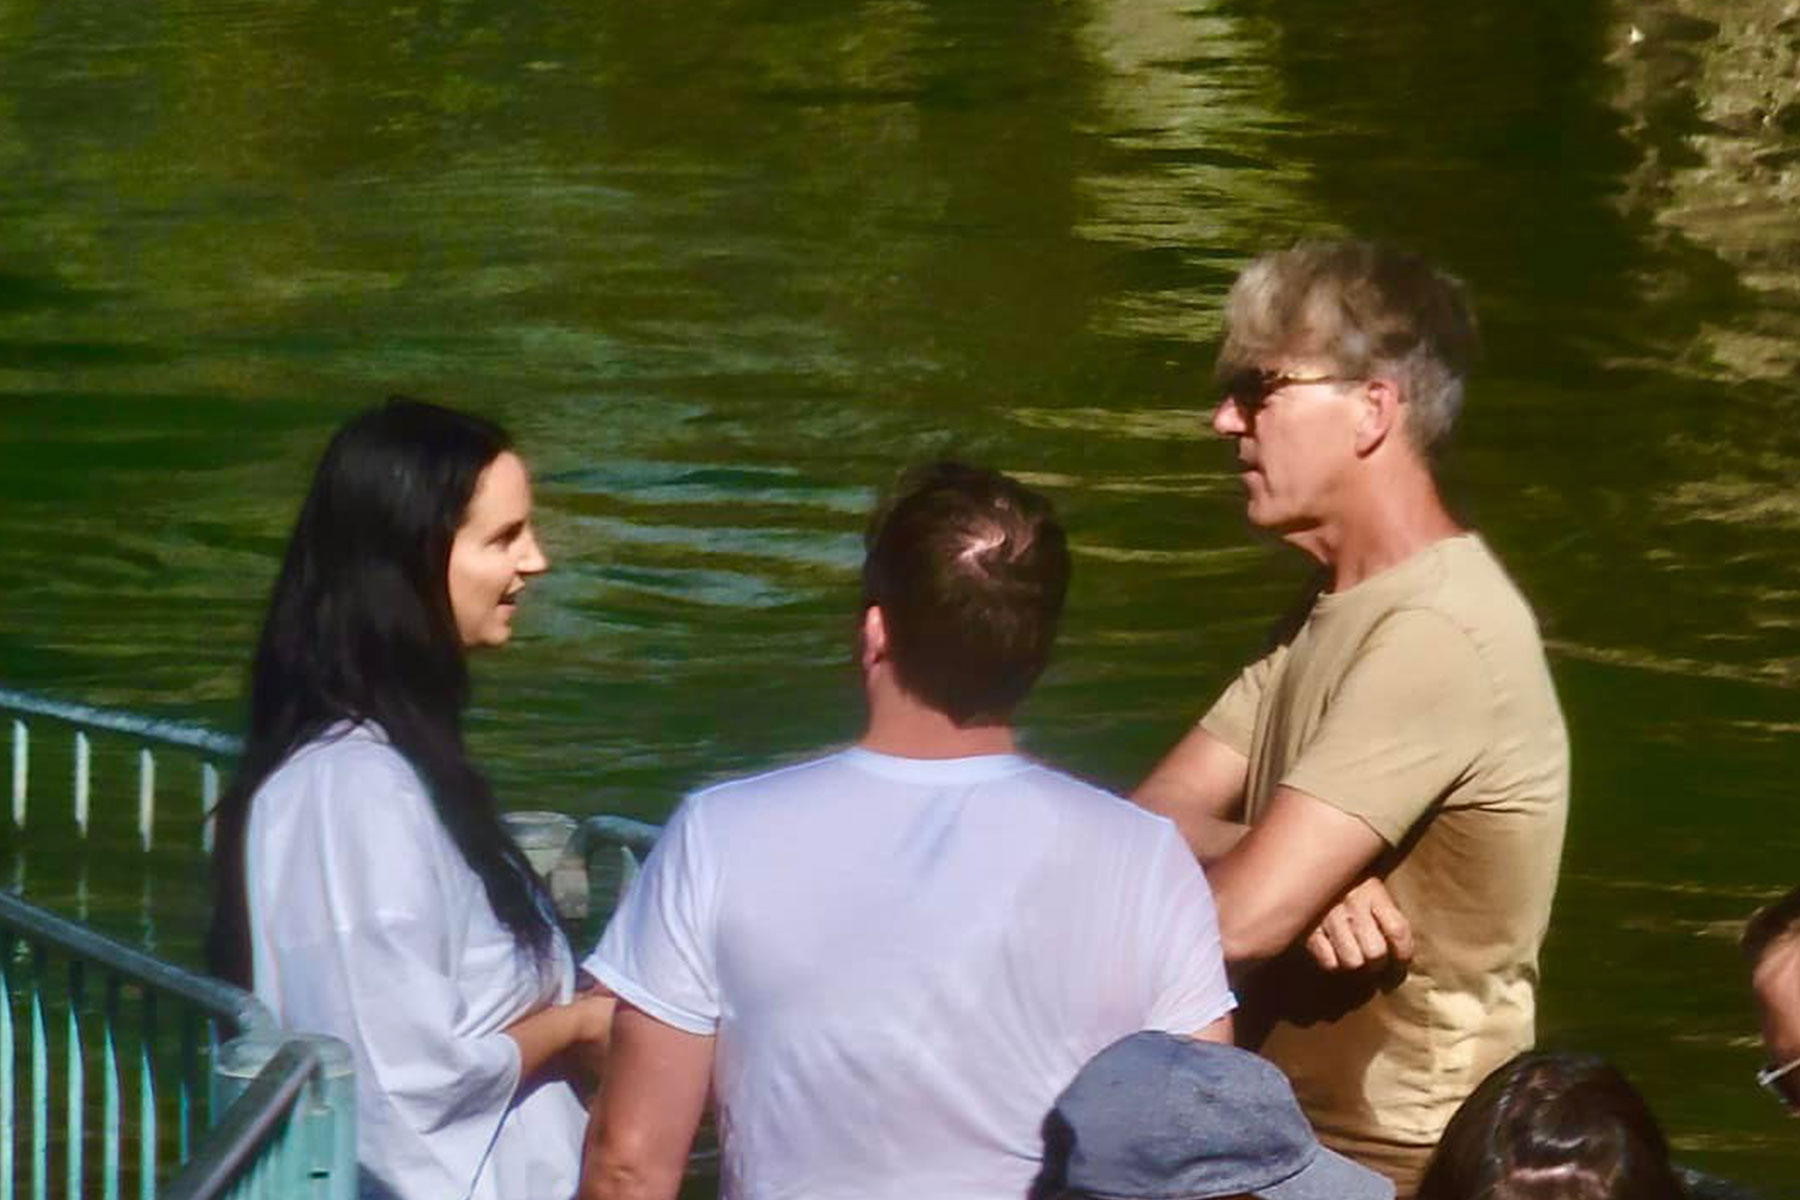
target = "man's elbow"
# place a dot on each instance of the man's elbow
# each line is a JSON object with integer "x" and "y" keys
{"x": 1248, "y": 937}
{"x": 622, "y": 1164}
{"x": 615, "y": 1177}
{"x": 1242, "y": 947}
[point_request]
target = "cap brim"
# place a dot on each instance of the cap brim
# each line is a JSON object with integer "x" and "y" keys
{"x": 1330, "y": 1176}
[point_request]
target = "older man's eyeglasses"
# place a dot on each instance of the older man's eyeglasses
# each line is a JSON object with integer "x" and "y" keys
{"x": 1784, "y": 1081}
{"x": 1251, "y": 388}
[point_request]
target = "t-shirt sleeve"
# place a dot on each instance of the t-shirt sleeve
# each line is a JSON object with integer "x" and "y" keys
{"x": 1232, "y": 718}
{"x": 1191, "y": 988}
{"x": 658, "y": 950}
{"x": 360, "y": 934}
{"x": 1408, "y": 721}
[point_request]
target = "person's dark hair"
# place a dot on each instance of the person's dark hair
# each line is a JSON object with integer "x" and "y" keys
{"x": 1774, "y": 922}
{"x": 359, "y": 628}
{"x": 1550, "y": 1126}
{"x": 970, "y": 569}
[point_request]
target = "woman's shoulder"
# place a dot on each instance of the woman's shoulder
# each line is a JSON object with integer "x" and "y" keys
{"x": 360, "y": 746}
{"x": 350, "y": 771}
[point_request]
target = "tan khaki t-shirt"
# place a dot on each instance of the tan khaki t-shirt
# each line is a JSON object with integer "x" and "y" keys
{"x": 1419, "y": 701}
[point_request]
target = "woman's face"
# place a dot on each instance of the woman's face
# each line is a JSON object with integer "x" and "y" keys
{"x": 494, "y": 553}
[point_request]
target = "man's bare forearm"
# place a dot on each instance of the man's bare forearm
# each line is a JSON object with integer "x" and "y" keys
{"x": 642, "y": 1123}
{"x": 1199, "y": 785}
{"x": 1210, "y": 838}
{"x": 1287, "y": 872}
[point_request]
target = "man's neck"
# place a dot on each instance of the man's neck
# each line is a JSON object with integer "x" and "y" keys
{"x": 902, "y": 726}
{"x": 1380, "y": 526}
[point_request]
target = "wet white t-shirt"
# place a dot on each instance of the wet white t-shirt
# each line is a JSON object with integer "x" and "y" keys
{"x": 905, "y": 960}
{"x": 366, "y": 924}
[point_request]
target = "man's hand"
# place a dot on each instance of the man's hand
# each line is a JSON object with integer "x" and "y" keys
{"x": 1365, "y": 928}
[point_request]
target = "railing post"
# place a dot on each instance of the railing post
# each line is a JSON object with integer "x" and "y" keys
{"x": 318, "y": 1158}
{"x": 146, "y": 795}
{"x": 9, "y": 1074}
{"x": 21, "y": 769}
{"x": 76, "y": 1087}
{"x": 83, "y": 755}
{"x": 147, "y": 1099}
{"x": 114, "y": 1114}
{"x": 188, "y": 1080}
{"x": 40, "y": 1080}
{"x": 209, "y": 800}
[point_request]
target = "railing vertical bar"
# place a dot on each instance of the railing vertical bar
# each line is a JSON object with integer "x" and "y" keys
{"x": 259, "y": 1178}
{"x": 40, "y": 1081}
{"x": 269, "y": 1178}
{"x": 21, "y": 769}
{"x": 147, "y": 1100}
{"x": 146, "y": 795}
{"x": 83, "y": 755}
{"x": 114, "y": 1115}
{"x": 9, "y": 1076}
{"x": 85, "y": 998}
{"x": 75, "y": 1088}
{"x": 212, "y": 1057}
{"x": 209, "y": 800}
{"x": 186, "y": 1082}
{"x": 291, "y": 1155}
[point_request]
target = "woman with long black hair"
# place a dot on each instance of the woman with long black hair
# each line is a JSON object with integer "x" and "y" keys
{"x": 365, "y": 887}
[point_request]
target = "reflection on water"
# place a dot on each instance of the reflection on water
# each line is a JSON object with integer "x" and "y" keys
{"x": 725, "y": 267}
{"x": 1707, "y": 92}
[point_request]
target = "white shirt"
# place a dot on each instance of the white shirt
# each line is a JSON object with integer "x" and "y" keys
{"x": 366, "y": 924}
{"x": 905, "y": 960}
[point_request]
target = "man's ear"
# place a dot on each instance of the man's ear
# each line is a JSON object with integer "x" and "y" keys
{"x": 874, "y": 646}
{"x": 1380, "y": 415}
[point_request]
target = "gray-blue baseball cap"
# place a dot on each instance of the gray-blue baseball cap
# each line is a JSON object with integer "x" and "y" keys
{"x": 1159, "y": 1117}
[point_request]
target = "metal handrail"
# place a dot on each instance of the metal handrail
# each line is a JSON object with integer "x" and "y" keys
{"x": 639, "y": 836}
{"x": 152, "y": 735}
{"x": 155, "y": 729}
{"x": 632, "y": 838}
{"x": 254, "y": 1120}
{"x": 238, "y": 1008}
{"x": 256, "y": 1132}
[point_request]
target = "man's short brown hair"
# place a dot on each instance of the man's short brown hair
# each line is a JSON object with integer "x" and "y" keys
{"x": 969, "y": 568}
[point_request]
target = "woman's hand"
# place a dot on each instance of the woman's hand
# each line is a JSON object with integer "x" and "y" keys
{"x": 588, "y": 1049}
{"x": 575, "y": 1034}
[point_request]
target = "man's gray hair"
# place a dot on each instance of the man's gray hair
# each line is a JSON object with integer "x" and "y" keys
{"x": 1367, "y": 310}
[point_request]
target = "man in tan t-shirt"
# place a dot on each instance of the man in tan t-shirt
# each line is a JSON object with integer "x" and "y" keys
{"x": 1380, "y": 801}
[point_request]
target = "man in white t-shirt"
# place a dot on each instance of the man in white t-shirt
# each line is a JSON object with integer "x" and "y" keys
{"x": 886, "y": 963}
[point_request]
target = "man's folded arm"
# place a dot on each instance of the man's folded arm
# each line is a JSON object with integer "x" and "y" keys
{"x": 1286, "y": 871}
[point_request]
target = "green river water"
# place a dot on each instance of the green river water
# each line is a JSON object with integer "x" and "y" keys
{"x": 724, "y": 267}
